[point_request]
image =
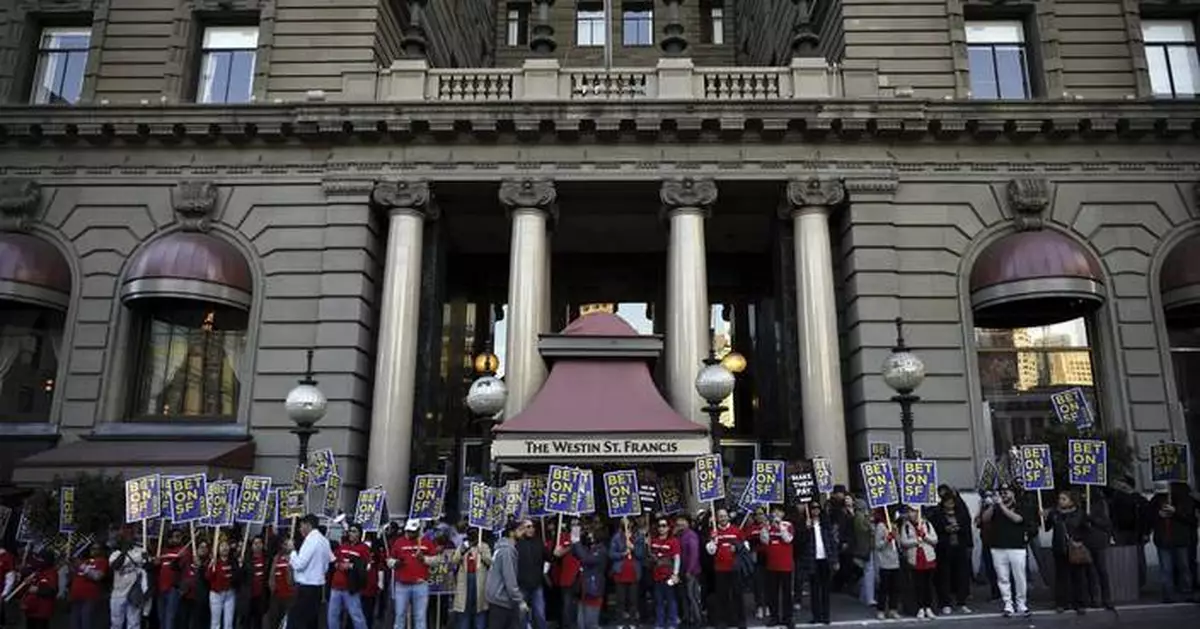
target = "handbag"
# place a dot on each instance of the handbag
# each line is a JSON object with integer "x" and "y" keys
{"x": 1077, "y": 553}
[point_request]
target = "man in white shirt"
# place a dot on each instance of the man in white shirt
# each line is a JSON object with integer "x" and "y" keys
{"x": 819, "y": 559}
{"x": 126, "y": 562}
{"x": 309, "y": 564}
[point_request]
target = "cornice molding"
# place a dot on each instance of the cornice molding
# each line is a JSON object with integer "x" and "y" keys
{"x": 828, "y": 120}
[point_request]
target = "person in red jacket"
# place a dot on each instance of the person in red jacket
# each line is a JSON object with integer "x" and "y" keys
{"x": 776, "y": 542}
{"x": 221, "y": 588}
{"x": 346, "y": 580}
{"x": 282, "y": 584}
{"x": 169, "y": 565}
{"x": 8, "y": 578}
{"x": 752, "y": 533}
{"x": 728, "y": 605}
{"x": 255, "y": 574}
{"x": 370, "y": 589}
{"x": 38, "y": 600}
{"x": 664, "y": 555}
{"x": 86, "y": 590}
{"x": 568, "y": 568}
{"x": 409, "y": 559}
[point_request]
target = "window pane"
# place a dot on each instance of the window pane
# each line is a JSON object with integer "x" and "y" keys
{"x": 1184, "y": 69}
{"x": 1160, "y": 74}
{"x": 982, "y": 72}
{"x": 637, "y": 26}
{"x": 71, "y": 86}
{"x": 590, "y": 27}
{"x": 998, "y": 32}
{"x": 230, "y": 37}
{"x": 214, "y": 77}
{"x": 30, "y": 342}
{"x": 65, "y": 38}
{"x": 1010, "y": 72}
{"x": 1168, "y": 31}
{"x": 241, "y": 77}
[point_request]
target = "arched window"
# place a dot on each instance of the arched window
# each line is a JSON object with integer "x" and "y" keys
{"x": 1179, "y": 283}
{"x": 189, "y": 297}
{"x": 35, "y": 285}
{"x": 1033, "y": 295}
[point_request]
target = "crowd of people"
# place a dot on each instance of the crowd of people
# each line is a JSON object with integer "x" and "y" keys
{"x": 718, "y": 570}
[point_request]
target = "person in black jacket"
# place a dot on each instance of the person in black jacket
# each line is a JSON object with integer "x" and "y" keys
{"x": 1070, "y": 526}
{"x": 818, "y": 542}
{"x": 952, "y": 522}
{"x": 531, "y": 557}
{"x": 1128, "y": 510}
{"x": 1174, "y": 515}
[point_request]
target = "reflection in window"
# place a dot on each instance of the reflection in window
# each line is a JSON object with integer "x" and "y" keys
{"x": 30, "y": 344}
{"x": 1020, "y": 368}
{"x": 61, "y": 61}
{"x": 721, "y": 322}
{"x": 227, "y": 62}
{"x": 712, "y": 30}
{"x": 189, "y": 361}
{"x": 997, "y": 60}
{"x": 1171, "y": 57}
{"x": 590, "y": 24}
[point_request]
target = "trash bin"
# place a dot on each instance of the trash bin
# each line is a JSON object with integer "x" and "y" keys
{"x": 1123, "y": 573}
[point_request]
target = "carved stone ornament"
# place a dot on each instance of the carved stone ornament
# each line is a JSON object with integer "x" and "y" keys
{"x": 815, "y": 192}
{"x": 528, "y": 193}
{"x": 19, "y": 201}
{"x": 404, "y": 194}
{"x": 688, "y": 192}
{"x": 1028, "y": 198}
{"x": 194, "y": 201}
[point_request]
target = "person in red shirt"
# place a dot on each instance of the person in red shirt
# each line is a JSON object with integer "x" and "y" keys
{"x": 282, "y": 585}
{"x": 193, "y": 602}
{"x": 723, "y": 546}
{"x": 255, "y": 576}
{"x": 752, "y": 531}
{"x": 471, "y": 564}
{"x": 776, "y": 542}
{"x": 85, "y": 590}
{"x": 8, "y": 578}
{"x": 409, "y": 558}
{"x": 38, "y": 600}
{"x": 221, "y": 588}
{"x": 627, "y": 551}
{"x": 664, "y": 551}
{"x": 170, "y": 564}
{"x": 370, "y": 589}
{"x": 567, "y": 574}
{"x": 347, "y": 575}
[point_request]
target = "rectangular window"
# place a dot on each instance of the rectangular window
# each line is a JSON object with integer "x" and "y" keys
{"x": 637, "y": 24}
{"x": 227, "y": 55}
{"x": 712, "y": 28}
{"x": 517, "y": 23}
{"x": 1171, "y": 57}
{"x": 61, "y": 61}
{"x": 998, "y": 60}
{"x": 589, "y": 24}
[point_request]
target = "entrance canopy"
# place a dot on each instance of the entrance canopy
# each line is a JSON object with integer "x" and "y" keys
{"x": 599, "y": 403}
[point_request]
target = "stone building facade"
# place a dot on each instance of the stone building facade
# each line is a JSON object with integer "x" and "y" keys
{"x": 197, "y": 192}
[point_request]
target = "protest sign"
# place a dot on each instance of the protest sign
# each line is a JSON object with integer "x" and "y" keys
{"x": 1088, "y": 461}
{"x": 276, "y": 508}
{"x": 333, "y": 492}
{"x": 516, "y": 499}
{"x": 803, "y": 485}
{"x": 477, "y": 510}
{"x": 561, "y": 490}
{"x": 5, "y": 517}
{"x": 647, "y": 484}
{"x": 1169, "y": 462}
{"x": 322, "y": 465}
{"x": 368, "y": 509}
{"x": 143, "y": 498}
{"x": 989, "y": 476}
{"x": 252, "y": 500}
{"x": 918, "y": 483}
{"x": 428, "y": 496}
{"x": 221, "y": 501}
{"x": 66, "y": 509}
{"x": 767, "y": 481}
{"x": 670, "y": 495}
{"x": 187, "y": 497}
{"x": 293, "y": 503}
{"x": 880, "y": 483}
{"x": 823, "y": 470}
{"x": 880, "y": 450}
{"x": 537, "y": 496}
{"x": 621, "y": 491}
{"x": 301, "y": 478}
{"x": 1037, "y": 468}
{"x": 441, "y": 575}
{"x": 496, "y": 518}
{"x": 1071, "y": 407}
{"x": 24, "y": 531}
{"x": 709, "y": 483}
{"x": 586, "y": 497}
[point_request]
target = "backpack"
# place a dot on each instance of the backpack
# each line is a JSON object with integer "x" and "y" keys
{"x": 744, "y": 561}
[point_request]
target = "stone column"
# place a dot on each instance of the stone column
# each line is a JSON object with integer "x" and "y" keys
{"x": 530, "y": 203}
{"x": 686, "y": 203}
{"x": 811, "y": 201}
{"x": 407, "y": 204}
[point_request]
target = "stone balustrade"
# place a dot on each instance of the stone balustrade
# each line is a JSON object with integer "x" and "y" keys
{"x": 673, "y": 79}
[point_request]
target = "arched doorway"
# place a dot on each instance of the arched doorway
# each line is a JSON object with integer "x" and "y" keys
{"x": 1179, "y": 283}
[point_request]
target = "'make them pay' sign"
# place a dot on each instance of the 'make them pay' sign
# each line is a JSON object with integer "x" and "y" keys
{"x": 1088, "y": 461}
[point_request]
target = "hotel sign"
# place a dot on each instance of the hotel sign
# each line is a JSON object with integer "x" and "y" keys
{"x": 649, "y": 447}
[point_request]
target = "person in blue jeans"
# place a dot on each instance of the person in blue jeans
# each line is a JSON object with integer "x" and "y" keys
{"x": 1174, "y": 516}
{"x": 348, "y": 576}
{"x": 471, "y": 563}
{"x": 532, "y": 556}
{"x": 410, "y": 557}
{"x": 665, "y": 553}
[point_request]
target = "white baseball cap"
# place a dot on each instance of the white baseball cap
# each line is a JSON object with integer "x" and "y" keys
{"x": 412, "y": 525}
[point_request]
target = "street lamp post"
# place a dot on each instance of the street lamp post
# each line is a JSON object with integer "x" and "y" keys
{"x": 903, "y": 371}
{"x": 486, "y": 399}
{"x": 714, "y": 383}
{"x": 306, "y": 405}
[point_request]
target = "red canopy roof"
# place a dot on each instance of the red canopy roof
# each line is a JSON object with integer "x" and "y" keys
{"x": 597, "y": 395}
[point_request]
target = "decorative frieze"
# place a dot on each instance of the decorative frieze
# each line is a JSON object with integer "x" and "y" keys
{"x": 528, "y": 193}
{"x": 20, "y": 199}
{"x": 816, "y": 192}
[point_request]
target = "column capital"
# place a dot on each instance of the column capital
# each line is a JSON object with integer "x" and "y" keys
{"x": 813, "y": 192}
{"x": 688, "y": 193}
{"x": 404, "y": 195}
{"x": 530, "y": 193}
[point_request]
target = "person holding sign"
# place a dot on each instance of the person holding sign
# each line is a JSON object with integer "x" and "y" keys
{"x": 506, "y": 604}
{"x": 221, "y": 587}
{"x": 664, "y": 550}
{"x": 919, "y": 541}
{"x": 728, "y": 605}
{"x": 255, "y": 579}
{"x": 1174, "y": 517}
{"x": 310, "y": 564}
{"x": 777, "y": 548}
{"x": 952, "y": 521}
{"x": 87, "y": 586}
{"x": 1070, "y": 527}
{"x": 887, "y": 560}
{"x": 819, "y": 559}
{"x": 125, "y": 600}
{"x": 1010, "y": 529}
{"x": 169, "y": 564}
{"x": 472, "y": 562}
{"x": 346, "y": 579}
{"x": 409, "y": 558}
{"x": 282, "y": 584}
{"x": 627, "y": 551}
{"x": 38, "y": 601}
